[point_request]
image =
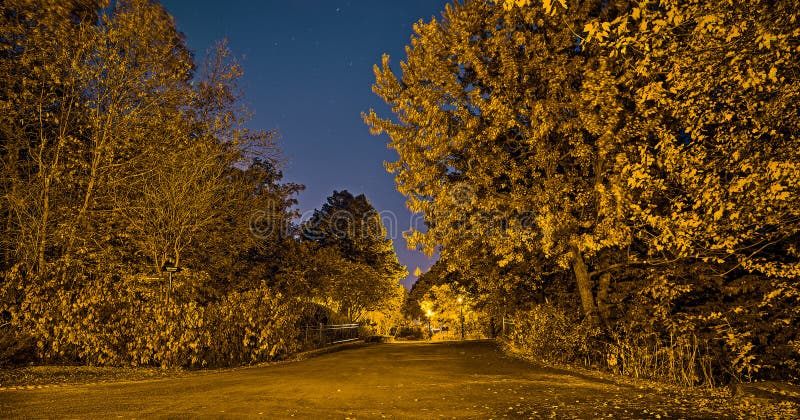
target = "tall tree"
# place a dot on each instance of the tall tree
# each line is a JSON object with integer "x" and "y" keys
{"x": 717, "y": 177}
{"x": 117, "y": 156}
{"x": 492, "y": 143}
{"x": 364, "y": 267}
{"x": 655, "y": 141}
{"x": 721, "y": 163}
{"x": 44, "y": 48}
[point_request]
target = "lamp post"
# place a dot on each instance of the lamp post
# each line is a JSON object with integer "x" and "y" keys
{"x": 430, "y": 331}
{"x": 461, "y": 303}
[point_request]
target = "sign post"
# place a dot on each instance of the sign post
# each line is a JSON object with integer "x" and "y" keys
{"x": 170, "y": 268}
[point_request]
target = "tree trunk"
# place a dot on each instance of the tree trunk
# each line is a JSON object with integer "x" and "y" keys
{"x": 45, "y": 216}
{"x": 80, "y": 223}
{"x": 584, "y": 287}
{"x": 602, "y": 297}
{"x": 42, "y": 243}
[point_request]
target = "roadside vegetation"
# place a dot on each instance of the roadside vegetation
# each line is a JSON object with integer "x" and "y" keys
{"x": 143, "y": 223}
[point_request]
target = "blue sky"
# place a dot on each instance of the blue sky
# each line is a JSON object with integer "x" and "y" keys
{"x": 308, "y": 74}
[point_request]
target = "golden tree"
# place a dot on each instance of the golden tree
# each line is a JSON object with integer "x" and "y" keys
{"x": 654, "y": 141}
{"x": 492, "y": 144}
{"x": 115, "y": 157}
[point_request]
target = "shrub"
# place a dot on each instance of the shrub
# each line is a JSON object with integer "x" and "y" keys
{"x": 550, "y": 334}
{"x": 410, "y": 332}
{"x": 680, "y": 357}
{"x": 252, "y": 326}
{"x": 16, "y": 347}
{"x": 125, "y": 320}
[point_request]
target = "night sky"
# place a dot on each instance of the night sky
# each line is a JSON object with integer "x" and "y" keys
{"x": 308, "y": 74}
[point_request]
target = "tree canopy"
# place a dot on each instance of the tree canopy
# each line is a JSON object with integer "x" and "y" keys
{"x": 121, "y": 155}
{"x": 645, "y": 148}
{"x": 364, "y": 272}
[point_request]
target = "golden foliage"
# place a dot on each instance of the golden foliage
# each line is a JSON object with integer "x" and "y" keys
{"x": 625, "y": 139}
{"x": 117, "y": 157}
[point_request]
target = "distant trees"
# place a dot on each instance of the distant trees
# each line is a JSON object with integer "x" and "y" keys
{"x": 649, "y": 150}
{"x": 364, "y": 272}
{"x": 448, "y": 306}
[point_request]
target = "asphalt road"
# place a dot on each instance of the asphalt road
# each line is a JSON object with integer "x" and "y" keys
{"x": 398, "y": 380}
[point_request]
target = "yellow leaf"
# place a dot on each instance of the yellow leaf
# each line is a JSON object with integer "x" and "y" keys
{"x": 773, "y": 72}
{"x": 548, "y": 6}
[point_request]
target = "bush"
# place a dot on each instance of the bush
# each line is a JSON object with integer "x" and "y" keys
{"x": 410, "y": 332}
{"x": 691, "y": 332}
{"x": 125, "y": 321}
{"x": 680, "y": 357}
{"x": 16, "y": 348}
{"x": 550, "y": 334}
{"x": 251, "y": 327}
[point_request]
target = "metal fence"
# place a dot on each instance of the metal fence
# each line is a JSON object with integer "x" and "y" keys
{"x": 508, "y": 327}
{"x": 324, "y": 335}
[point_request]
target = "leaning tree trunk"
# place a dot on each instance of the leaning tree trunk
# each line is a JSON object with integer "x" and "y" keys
{"x": 584, "y": 287}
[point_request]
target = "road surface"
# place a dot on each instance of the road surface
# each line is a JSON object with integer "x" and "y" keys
{"x": 398, "y": 380}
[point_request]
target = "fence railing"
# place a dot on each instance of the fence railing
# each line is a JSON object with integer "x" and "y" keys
{"x": 508, "y": 326}
{"x": 323, "y": 335}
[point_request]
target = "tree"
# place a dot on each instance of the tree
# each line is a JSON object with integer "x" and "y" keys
{"x": 717, "y": 157}
{"x": 492, "y": 144}
{"x": 446, "y": 304}
{"x": 104, "y": 87}
{"x": 363, "y": 267}
{"x": 718, "y": 172}
{"x": 117, "y": 156}
{"x": 255, "y": 239}
{"x": 723, "y": 145}
{"x": 43, "y": 51}
{"x": 436, "y": 275}
{"x": 190, "y": 181}
{"x": 653, "y": 152}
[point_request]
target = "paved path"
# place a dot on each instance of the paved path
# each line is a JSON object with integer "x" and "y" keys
{"x": 401, "y": 380}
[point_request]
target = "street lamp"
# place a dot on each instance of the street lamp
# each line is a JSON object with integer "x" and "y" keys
{"x": 461, "y": 302}
{"x": 430, "y": 331}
